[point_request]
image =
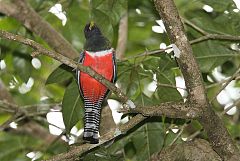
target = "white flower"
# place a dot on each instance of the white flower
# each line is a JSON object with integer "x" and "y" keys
{"x": 207, "y": 8}
{"x": 176, "y": 51}
{"x": 57, "y": 11}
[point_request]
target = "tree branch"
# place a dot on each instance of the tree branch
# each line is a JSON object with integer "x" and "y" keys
{"x": 189, "y": 23}
{"x": 226, "y": 84}
{"x": 169, "y": 109}
{"x": 198, "y": 149}
{"x": 213, "y": 125}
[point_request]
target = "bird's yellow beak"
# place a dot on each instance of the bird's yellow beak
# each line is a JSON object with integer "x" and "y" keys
{"x": 91, "y": 25}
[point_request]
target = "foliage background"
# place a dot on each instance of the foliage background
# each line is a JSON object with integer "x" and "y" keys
{"x": 134, "y": 73}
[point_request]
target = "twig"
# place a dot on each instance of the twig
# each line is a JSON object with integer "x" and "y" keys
{"x": 236, "y": 102}
{"x": 169, "y": 86}
{"x": 189, "y": 23}
{"x": 216, "y": 37}
{"x": 217, "y": 83}
{"x": 226, "y": 84}
{"x": 179, "y": 134}
{"x": 195, "y": 134}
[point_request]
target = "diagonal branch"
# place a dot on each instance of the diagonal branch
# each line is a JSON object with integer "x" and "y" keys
{"x": 226, "y": 84}
{"x": 65, "y": 60}
{"x": 24, "y": 13}
{"x": 168, "y": 109}
{"x": 189, "y": 23}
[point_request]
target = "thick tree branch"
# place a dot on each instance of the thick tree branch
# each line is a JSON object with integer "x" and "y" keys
{"x": 24, "y": 13}
{"x": 196, "y": 150}
{"x": 169, "y": 109}
{"x": 213, "y": 125}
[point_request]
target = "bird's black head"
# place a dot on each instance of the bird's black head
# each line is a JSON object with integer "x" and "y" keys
{"x": 91, "y": 29}
{"x": 95, "y": 41}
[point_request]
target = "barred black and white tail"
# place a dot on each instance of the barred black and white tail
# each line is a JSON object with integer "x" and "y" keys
{"x": 92, "y": 121}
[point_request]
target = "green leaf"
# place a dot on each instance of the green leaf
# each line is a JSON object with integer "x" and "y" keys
{"x": 60, "y": 74}
{"x": 104, "y": 23}
{"x": 211, "y": 54}
{"x": 146, "y": 140}
{"x": 96, "y": 3}
{"x": 72, "y": 106}
{"x": 166, "y": 94}
{"x": 9, "y": 24}
{"x": 114, "y": 9}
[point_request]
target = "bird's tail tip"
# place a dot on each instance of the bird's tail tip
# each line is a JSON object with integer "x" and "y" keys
{"x": 90, "y": 138}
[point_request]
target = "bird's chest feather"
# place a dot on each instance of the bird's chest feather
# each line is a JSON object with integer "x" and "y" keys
{"x": 102, "y": 63}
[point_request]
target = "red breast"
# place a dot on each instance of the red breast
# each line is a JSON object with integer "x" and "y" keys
{"x": 102, "y": 63}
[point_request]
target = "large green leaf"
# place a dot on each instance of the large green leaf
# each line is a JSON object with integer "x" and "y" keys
{"x": 211, "y": 54}
{"x": 113, "y": 8}
{"x": 146, "y": 140}
{"x": 104, "y": 23}
{"x": 163, "y": 67}
{"x": 166, "y": 94}
{"x": 60, "y": 74}
{"x": 72, "y": 106}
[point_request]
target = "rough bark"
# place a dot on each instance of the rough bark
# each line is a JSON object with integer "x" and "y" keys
{"x": 196, "y": 150}
{"x": 217, "y": 133}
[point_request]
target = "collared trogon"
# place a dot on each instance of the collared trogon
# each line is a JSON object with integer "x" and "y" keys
{"x": 98, "y": 55}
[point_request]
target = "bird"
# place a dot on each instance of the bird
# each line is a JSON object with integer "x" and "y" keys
{"x": 100, "y": 56}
